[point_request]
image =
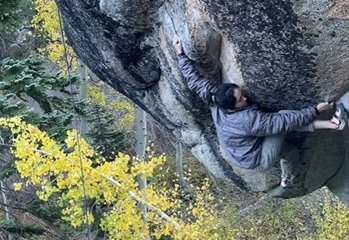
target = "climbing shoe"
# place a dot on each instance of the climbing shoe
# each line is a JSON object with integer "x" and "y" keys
{"x": 285, "y": 181}
{"x": 340, "y": 117}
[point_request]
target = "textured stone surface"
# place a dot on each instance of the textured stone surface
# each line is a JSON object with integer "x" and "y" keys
{"x": 290, "y": 53}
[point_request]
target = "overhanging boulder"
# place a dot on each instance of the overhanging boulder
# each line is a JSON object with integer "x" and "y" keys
{"x": 291, "y": 54}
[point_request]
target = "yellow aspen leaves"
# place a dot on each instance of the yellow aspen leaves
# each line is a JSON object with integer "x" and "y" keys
{"x": 17, "y": 186}
{"x": 335, "y": 221}
{"x": 121, "y": 106}
{"x": 96, "y": 94}
{"x": 47, "y": 20}
{"x": 70, "y": 174}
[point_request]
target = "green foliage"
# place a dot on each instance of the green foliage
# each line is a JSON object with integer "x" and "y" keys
{"x": 332, "y": 219}
{"x": 270, "y": 221}
{"x": 108, "y": 122}
{"x": 41, "y": 99}
{"x": 24, "y": 229}
{"x": 25, "y": 84}
{"x": 13, "y": 13}
{"x": 15, "y": 17}
{"x": 7, "y": 170}
{"x": 28, "y": 77}
{"x": 7, "y": 11}
{"x": 103, "y": 133}
{"x": 48, "y": 211}
{"x": 120, "y": 106}
{"x": 319, "y": 215}
{"x": 48, "y": 101}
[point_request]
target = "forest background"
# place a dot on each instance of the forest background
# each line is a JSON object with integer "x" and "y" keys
{"x": 80, "y": 161}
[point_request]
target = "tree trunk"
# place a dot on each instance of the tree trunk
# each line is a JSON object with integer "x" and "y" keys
{"x": 179, "y": 166}
{"x": 141, "y": 142}
{"x": 83, "y": 95}
{"x": 6, "y": 209}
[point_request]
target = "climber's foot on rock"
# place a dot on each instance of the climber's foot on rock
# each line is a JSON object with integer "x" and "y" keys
{"x": 290, "y": 182}
{"x": 285, "y": 182}
{"x": 340, "y": 117}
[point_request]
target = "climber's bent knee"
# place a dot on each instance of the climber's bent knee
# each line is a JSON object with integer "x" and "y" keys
{"x": 271, "y": 148}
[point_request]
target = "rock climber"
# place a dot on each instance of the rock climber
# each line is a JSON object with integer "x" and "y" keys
{"x": 248, "y": 137}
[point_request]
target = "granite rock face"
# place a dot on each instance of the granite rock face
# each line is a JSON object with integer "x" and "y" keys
{"x": 291, "y": 54}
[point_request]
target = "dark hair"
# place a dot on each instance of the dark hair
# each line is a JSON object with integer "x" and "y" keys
{"x": 224, "y": 95}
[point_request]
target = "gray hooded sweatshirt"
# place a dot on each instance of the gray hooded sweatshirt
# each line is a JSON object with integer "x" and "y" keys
{"x": 241, "y": 132}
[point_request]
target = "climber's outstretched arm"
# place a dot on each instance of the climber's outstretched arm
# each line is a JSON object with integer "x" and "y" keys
{"x": 196, "y": 82}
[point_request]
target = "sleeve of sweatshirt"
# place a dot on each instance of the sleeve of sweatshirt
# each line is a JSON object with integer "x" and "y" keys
{"x": 203, "y": 87}
{"x": 265, "y": 124}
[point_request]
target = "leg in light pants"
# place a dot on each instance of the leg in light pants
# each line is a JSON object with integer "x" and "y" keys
{"x": 271, "y": 147}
